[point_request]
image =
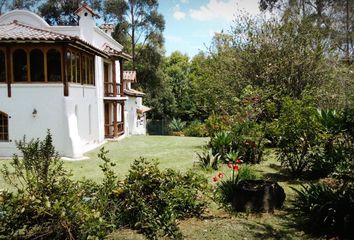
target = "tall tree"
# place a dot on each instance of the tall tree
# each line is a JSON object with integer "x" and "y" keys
{"x": 62, "y": 12}
{"x": 17, "y": 4}
{"x": 138, "y": 23}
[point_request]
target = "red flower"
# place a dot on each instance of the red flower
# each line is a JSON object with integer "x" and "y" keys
{"x": 229, "y": 165}
{"x": 236, "y": 167}
{"x": 220, "y": 175}
{"x": 238, "y": 161}
{"x": 215, "y": 178}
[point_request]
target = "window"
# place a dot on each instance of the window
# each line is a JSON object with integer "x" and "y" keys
{"x": 37, "y": 65}
{"x": 19, "y": 63}
{"x": 4, "y": 127}
{"x": 2, "y": 67}
{"x": 54, "y": 65}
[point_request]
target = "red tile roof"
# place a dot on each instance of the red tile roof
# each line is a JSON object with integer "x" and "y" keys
{"x": 16, "y": 31}
{"x": 129, "y": 76}
{"x": 19, "y": 31}
{"x": 134, "y": 93}
{"x": 115, "y": 53}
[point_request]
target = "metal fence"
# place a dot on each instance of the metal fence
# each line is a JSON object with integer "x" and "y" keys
{"x": 157, "y": 127}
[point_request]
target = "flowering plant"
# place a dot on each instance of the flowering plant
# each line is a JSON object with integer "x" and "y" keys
{"x": 225, "y": 192}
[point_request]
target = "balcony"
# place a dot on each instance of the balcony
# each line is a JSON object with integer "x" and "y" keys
{"x": 111, "y": 89}
{"x": 109, "y": 129}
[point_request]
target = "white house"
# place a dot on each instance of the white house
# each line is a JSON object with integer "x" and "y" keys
{"x": 68, "y": 79}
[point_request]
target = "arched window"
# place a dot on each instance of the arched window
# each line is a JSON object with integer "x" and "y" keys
{"x": 37, "y": 65}
{"x": 54, "y": 65}
{"x": 4, "y": 127}
{"x": 19, "y": 63}
{"x": 2, "y": 67}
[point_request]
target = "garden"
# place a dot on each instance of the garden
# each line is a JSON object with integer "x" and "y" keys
{"x": 250, "y": 177}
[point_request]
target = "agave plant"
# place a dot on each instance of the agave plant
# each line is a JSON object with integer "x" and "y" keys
{"x": 221, "y": 144}
{"x": 208, "y": 160}
{"x": 176, "y": 125}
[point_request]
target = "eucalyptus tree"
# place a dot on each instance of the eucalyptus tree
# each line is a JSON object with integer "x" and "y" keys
{"x": 62, "y": 12}
{"x": 137, "y": 23}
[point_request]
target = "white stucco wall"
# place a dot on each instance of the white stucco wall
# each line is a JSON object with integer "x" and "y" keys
{"x": 47, "y": 100}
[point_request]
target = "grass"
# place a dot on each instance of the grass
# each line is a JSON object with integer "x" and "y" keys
{"x": 179, "y": 153}
{"x": 172, "y": 152}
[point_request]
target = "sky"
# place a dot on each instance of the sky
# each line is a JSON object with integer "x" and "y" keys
{"x": 191, "y": 24}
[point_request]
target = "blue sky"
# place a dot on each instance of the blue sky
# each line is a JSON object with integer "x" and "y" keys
{"x": 191, "y": 24}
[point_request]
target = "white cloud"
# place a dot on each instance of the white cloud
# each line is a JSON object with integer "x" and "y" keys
{"x": 178, "y": 14}
{"x": 184, "y": 1}
{"x": 224, "y": 9}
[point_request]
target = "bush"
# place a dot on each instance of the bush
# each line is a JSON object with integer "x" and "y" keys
{"x": 47, "y": 204}
{"x": 176, "y": 125}
{"x": 322, "y": 210}
{"x": 150, "y": 200}
{"x": 196, "y": 129}
{"x": 208, "y": 160}
{"x": 226, "y": 188}
{"x": 216, "y": 123}
{"x": 299, "y": 135}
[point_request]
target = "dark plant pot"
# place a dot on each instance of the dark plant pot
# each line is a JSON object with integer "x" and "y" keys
{"x": 258, "y": 196}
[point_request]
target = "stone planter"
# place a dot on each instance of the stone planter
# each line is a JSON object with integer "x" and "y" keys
{"x": 258, "y": 196}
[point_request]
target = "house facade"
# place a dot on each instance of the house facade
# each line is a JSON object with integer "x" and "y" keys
{"x": 69, "y": 79}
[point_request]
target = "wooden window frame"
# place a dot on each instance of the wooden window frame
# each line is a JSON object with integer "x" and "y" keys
{"x": 28, "y": 50}
{"x": 58, "y": 49}
{"x": 4, "y": 127}
{"x": 3, "y": 49}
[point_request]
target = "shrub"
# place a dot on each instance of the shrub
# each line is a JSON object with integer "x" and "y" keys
{"x": 47, "y": 204}
{"x": 326, "y": 211}
{"x": 221, "y": 144}
{"x": 196, "y": 129}
{"x": 226, "y": 188}
{"x": 150, "y": 200}
{"x": 176, "y": 125}
{"x": 216, "y": 123}
{"x": 249, "y": 141}
{"x": 299, "y": 135}
{"x": 208, "y": 160}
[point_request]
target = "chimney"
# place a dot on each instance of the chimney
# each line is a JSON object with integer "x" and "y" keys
{"x": 86, "y": 22}
{"x": 107, "y": 28}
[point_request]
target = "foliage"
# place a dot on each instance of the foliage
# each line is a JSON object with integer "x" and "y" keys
{"x": 326, "y": 211}
{"x": 63, "y": 12}
{"x": 299, "y": 135}
{"x": 226, "y": 188}
{"x": 151, "y": 200}
{"x": 208, "y": 160}
{"x": 195, "y": 129}
{"x": 221, "y": 144}
{"x": 47, "y": 205}
{"x": 176, "y": 125}
{"x": 137, "y": 23}
{"x": 217, "y": 123}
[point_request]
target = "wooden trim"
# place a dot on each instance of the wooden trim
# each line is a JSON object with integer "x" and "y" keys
{"x": 45, "y": 60}
{"x": 115, "y": 131}
{"x": 114, "y": 79}
{"x": 66, "y": 84}
{"x": 8, "y": 70}
{"x": 121, "y": 77}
